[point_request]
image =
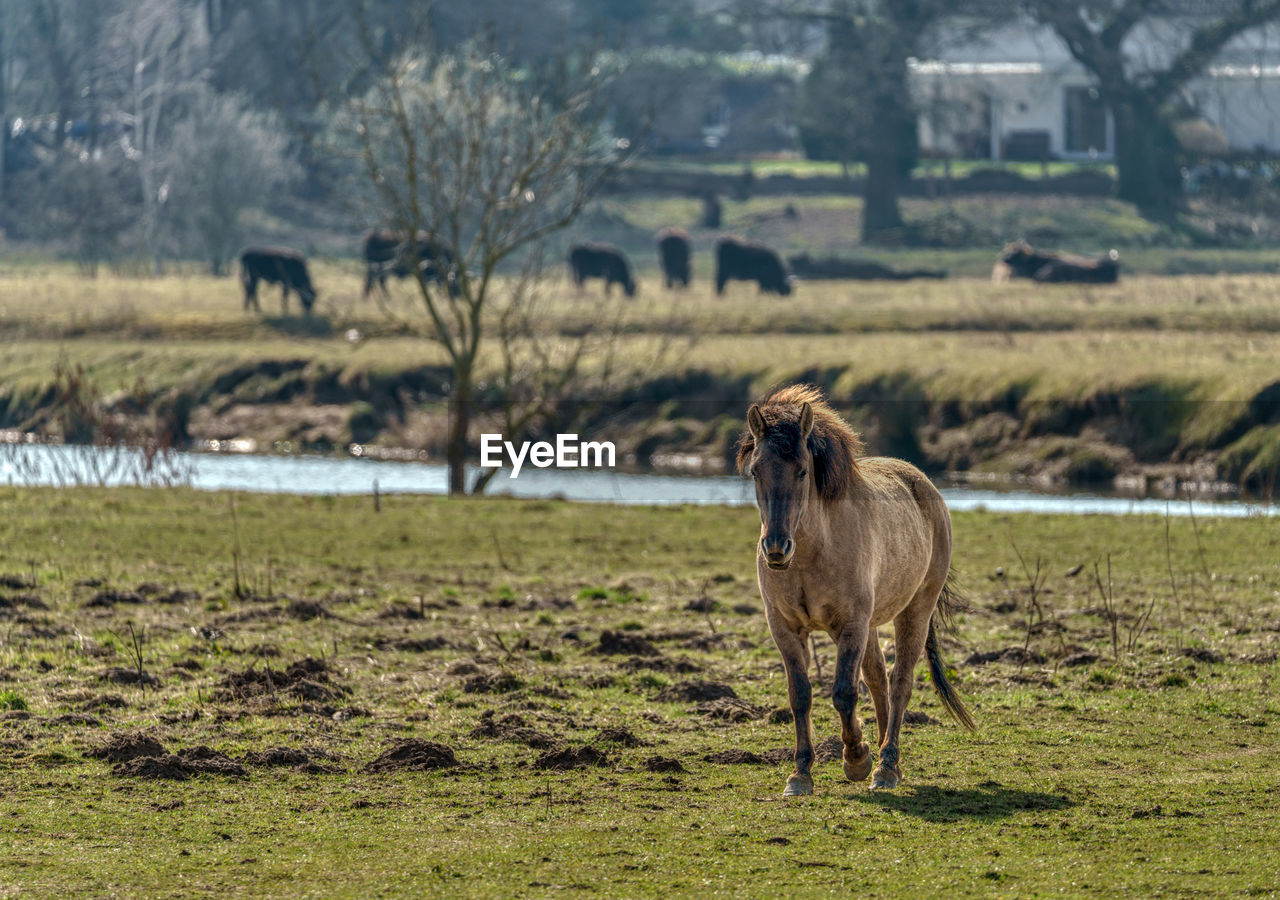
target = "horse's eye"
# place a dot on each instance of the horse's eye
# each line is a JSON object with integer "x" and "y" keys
{"x": 802, "y": 473}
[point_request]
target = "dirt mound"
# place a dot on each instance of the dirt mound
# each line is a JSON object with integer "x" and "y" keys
{"x": 571, "y": 758}
{"x": 664, "y": 764}
{"x": 513, "y": 728}
{"x": 304, "y": 761}
{"x": 492, "y": 683}
{"x": 306, "y": 679}
{"x": 736, "y": 757}
{"x": 126, "y": 675}
{"x": 276, "y": 756}
{"x": 730, "y": 709}
{"x": 177, "y": 595}
{"x": 200, "y": 760}
{"x": 619, "y": 736}
{"x": 104, "y": 701}
{"x": 622, "y": 643}
{"x": 421, "y": 645}
{"x": 919, "y": 717}
{"x": 660, "y": 664}
{"x": 123, "y": 746}
{"x": 695, "y": 692}
{"x": 1202, "y": 654}
{"x": 1008, "y": 654}
{"x": 111, "y": 598}
{"x": 829, "y": 750}
{"x": 414, "y": 755}
{"x": 30, "y": 601}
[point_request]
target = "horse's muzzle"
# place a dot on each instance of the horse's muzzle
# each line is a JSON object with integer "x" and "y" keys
{"x": 777, "y": 554}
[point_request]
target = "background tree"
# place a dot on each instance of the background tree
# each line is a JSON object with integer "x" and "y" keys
{"x": 1141, "y": 89}
{"x": 857, "y": 100}
{"x": 223, "y": 161}
{"x": 477, "y": 154}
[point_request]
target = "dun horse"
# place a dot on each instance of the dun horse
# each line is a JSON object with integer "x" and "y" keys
{"x": 846, "y": 545}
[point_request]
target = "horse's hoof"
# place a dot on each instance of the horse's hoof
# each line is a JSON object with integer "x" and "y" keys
{"x": 798, "y": 786}
{"x": 885, "y": 779}
{"x": 860, "y": 767}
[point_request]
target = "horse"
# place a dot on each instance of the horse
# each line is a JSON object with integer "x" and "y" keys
{"x": 847, "y": 544}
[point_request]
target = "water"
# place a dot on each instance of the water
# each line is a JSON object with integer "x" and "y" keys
{"x": 42, "y": 464}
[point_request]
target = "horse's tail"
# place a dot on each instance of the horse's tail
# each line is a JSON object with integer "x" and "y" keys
{"x": 949, "y": 602}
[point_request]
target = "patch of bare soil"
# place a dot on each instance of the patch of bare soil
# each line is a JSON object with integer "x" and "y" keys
{"x": 29, "y": 601}
{"x": 565, "y": 758}
{"x": 492, "y": 683}
{"x": 306, "y": 679}
{"x": 828, "y": 750}
{"x": 304, "y": 761}
{"x": 1017, "y": 655}
{"x": 619, "y": 736}
{"x": 17, "y": 582}
{"x": 199, "y": 760}
{"x": 462, "y": 668}
{"x": 417, "y": 645}
{"x": 414, "y": 755}
{"x": 126, "y": 675}
{"x": 660, "y": 664}
{"x": 110, "y": 598}
{"x": 730, "y": 709}
{"x": 122, "y": 746}
{"x": 737, "y": 757}
{"x": 623, "y": 643}
{"x": 664, "y": 764}
{"x": 1202, "y": 654}
{"x": 919, "y": 717}
{"x": 695, "y": 692}
{"x": 513, "y": 728}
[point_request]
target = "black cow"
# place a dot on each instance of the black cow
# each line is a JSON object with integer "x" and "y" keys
{"x": 742, "y": 260}
{"x": 1020, "y": 260}
{"x": 388, "y": 252}
{"x": 276, "y": 265}
{"x": 674, "y": 251}
{"x": 605, "y": 261}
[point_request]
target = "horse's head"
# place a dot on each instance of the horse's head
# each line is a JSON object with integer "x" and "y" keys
{"x": 781, "y": 465}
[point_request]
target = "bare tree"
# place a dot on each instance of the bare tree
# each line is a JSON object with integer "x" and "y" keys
{"x": 489, "y": 161}
{"x": 1111, "y": 39}
{"x": 222, "y": 160}
{"x": 159, "y": 51}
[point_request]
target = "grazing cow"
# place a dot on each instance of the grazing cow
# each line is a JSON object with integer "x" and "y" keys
{"x": 605, "y": 261}
{"x": 276, "y": 265}
{"x": 675, "y": 250}
{"x": 1020, "y": 260}
{"x": 808, "y": 267}
{"x": 388, "y": 252}
{"x": 742, "y": 260}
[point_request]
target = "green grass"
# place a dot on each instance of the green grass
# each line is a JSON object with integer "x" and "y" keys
{"x": 1117, "y": 775}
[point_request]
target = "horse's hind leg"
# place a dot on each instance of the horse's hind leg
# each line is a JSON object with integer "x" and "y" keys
{"x": 795, "y": 660}
{"x": 873, "y": 673}
{"x": 850, "y": 646}
{"x": 910, "y": 630}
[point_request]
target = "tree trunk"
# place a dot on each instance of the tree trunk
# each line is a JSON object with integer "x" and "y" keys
{"x": 881, "y": 216}
{"x": 1147, "y": 172}
{"x": 459, "y": 424}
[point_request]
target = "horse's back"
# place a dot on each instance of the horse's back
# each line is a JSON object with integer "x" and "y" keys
{"x": 913, "y": 522}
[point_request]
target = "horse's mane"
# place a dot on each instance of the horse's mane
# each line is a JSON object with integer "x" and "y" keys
{"x": 834, "y": 445}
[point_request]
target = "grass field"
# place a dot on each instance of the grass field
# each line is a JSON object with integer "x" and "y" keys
{"x": 509, "y": 631}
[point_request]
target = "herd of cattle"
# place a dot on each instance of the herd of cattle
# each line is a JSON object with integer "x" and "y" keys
{"x": 392, "y": 253}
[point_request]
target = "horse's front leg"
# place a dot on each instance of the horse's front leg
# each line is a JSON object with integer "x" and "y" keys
{"x": 850, "y": 646}
{"x": 795, "y": 660}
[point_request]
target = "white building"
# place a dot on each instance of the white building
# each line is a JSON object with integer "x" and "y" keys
{"x": 1018, "y": 94}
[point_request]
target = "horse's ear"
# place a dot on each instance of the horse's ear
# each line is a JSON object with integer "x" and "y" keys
{"x": 755, "y": 422}
{"x": 806, "y": 421}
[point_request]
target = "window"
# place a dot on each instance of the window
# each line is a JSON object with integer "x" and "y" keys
{"x": 1086, "y": 122}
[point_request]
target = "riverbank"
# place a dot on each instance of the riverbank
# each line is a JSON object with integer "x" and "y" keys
{"x": 1167, "y": 383}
